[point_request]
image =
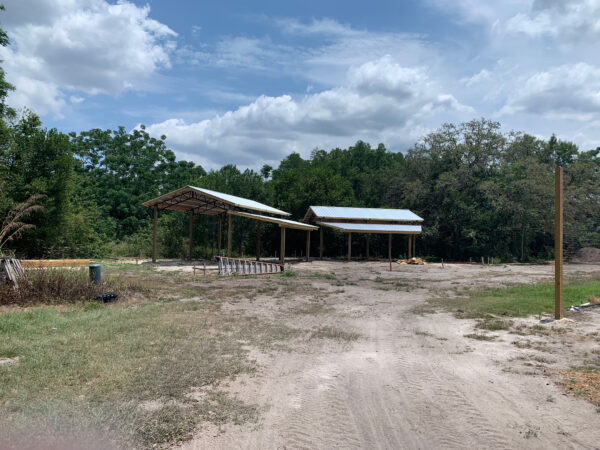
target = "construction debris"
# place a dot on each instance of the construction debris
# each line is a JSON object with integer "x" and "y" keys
{"x": 11, "y": 271}
{"x": 417, "y": 261}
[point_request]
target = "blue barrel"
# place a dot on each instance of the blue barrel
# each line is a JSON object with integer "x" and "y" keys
{"x": 95, "y": 273}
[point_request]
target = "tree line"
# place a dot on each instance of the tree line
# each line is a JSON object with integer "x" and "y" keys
{"x": 482, "y": 192}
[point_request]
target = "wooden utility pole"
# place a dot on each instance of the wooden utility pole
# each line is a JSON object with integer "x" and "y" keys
{"x": 321, "y": 242}
{"x": 229, "y": 233}
{"x": 307, "y": 245}
{"x": 154, "y": 234}
{"x": 558, "y": 243}
{"x": 258, "y": 240}
{"x": 282, "y": 244}
{"x": 191, "y": 237}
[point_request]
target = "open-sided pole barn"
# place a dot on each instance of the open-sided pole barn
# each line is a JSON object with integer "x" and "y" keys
{"x": 197, "y": 200}
{"x": 366, "y": 221}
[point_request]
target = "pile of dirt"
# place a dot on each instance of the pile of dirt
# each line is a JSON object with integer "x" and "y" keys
{"x": 418, "y": 261}
{"x": 587, "y": 255}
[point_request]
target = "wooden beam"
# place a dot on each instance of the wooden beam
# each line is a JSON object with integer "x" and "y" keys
{"x": 191, "y": 237}
{"x": 321, "y": 243}
{"x": 282, "y": 245}
{"x": 390, "y": 250}
{"x": 154, "y": 234}
{"x": 307, "y": 245}
{"x": 220, "y": 237}
{"x": 414, "y": 250}
{"x": 558, "y": 243}
{"x": 258, "y": 240}
{"x": 368, "y": 236}
{"x": 349, "y": 246}
{"x": 33, "y": 263}
{"x": 229, "y": 231}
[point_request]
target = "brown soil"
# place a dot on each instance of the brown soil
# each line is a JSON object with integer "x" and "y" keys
{"x": 409, "y": 380}
{"x": 587, "y": 255}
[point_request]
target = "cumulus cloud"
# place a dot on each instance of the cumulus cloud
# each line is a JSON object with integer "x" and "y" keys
{"x": 86, "y": 46}
{"x": 380, "y": 101}
{"x": 573, "y": 20}
{"x": 568, "y": 91}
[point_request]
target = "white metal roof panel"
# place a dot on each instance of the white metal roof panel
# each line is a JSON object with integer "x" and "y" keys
{"x": 373, "y": 228}
{"x": 281, "y": 222}
{"x": 242, "y": 202}
{"x": 339, "y": 212}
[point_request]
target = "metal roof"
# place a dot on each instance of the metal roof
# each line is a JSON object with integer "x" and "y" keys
{"x": 281, "y": 222}
{"x": 382, "y": 228}
{"x": 206, "y": 201}
{"x": 338, "y": 212}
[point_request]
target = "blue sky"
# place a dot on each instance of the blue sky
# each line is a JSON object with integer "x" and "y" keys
{"x": 249, "y": 82}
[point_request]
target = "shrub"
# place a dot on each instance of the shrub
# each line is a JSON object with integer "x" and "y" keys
{"x": 51, "y": 286}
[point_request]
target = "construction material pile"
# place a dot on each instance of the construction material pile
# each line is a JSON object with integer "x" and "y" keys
{"x": 417, "y": 261}
{"x": 587, "y": 255}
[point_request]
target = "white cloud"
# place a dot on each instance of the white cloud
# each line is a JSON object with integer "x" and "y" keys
{"x": 568, "y": 91}
{"x": 573, "y": 20}
{"x": 381, "y": 101}
{"x": 80, "y": 46}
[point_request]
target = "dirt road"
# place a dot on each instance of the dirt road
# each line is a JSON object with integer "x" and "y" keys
{"x": 409, "y": 380}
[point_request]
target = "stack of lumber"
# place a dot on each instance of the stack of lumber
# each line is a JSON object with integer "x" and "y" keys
{"x": 415, "y": 260}
{"x": 33, "y": 263}
{"x": 11, "y": 271}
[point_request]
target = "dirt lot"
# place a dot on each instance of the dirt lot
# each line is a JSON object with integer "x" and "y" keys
{"x": 376, "y": 372}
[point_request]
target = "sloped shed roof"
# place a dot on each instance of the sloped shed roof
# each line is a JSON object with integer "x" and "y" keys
{"x": 205, "y": 201}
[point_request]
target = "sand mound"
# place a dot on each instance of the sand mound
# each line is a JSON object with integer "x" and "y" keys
{"x": 587, "y": 255}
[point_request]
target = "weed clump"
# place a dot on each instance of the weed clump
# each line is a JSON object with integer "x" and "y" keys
{"x": 51, "y": 286}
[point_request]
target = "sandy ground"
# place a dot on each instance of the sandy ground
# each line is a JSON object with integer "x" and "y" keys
{"x": 410, "y": 380}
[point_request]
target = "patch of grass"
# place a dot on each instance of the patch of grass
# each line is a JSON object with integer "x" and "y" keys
{"x": 493, "y": 324}
{"x": 325, "y": 276}
{"x": 480, "y": 337}
{"x": 519, "y": 301}
{"x": 337, "y": 334}
{"x": 423, "y": 333}
{"x": 89, "y": 368}
{"x": 287, "y": 273}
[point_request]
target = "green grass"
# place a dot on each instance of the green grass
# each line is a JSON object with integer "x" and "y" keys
{"x": 520, "y": 301}
{"x": 88, "y": 368}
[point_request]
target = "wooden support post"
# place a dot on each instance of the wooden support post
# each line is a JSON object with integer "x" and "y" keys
{"x": 307, "y": 245}
{"x": 558, "y": 243}
{"x": 229, "y": 232}
{"x": 349, "y": 246}
{"x": 191, "y": 237}
{"x": 409, "y": 246}
{"x": 220, "y": 237}
{"x": 368, "y": 235}
{"x": 321, "y": 242}
{"x": 258, "y": 240}
{"x": 282, "y": 255}
{"x": 154, "y": 234}
{"x": 390, "y": 250}
{"x": 414, "y": 250}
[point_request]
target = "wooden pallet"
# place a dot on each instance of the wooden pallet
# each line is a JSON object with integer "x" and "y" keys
{"x": 237, "y": 266}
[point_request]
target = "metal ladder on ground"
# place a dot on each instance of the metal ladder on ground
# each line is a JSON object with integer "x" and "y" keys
{"x": 237, "y": 266}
